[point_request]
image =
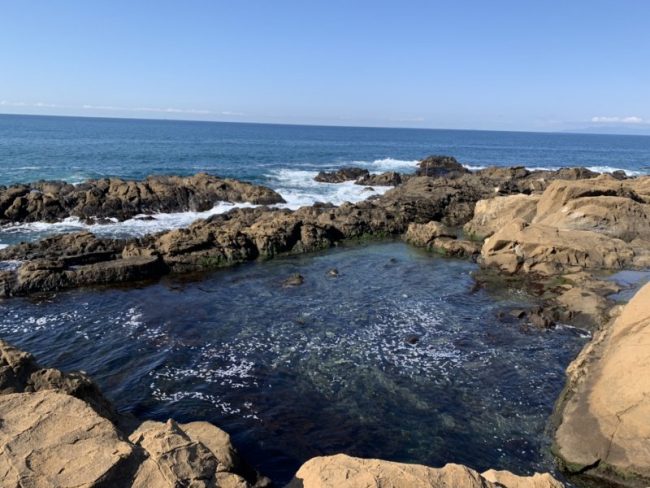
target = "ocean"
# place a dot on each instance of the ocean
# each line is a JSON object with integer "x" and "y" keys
{"x": 284, "y": 157}
{"x": 399, "y": 357}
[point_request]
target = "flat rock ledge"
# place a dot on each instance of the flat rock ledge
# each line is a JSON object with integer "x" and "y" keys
{"x": 350, "y": 472}
{"x": 115, "y": 198}
{"x": 58, "y": 431}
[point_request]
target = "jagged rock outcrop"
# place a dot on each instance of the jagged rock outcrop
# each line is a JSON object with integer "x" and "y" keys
{"x": 600, "y": 223}
{"x": 390, "y": 178}
{"x": 51, "y": 201}
{"x": 341, "y": 175}
{"x": 493, "y": 214}
{"x": 437, "y": 166}
{"x": 438, "y": 237}
{"x": 341, "y": 471}
{"x": 58, "y": 430}
{"x": 51, "y": 439}
{"x": 603, "y": 430}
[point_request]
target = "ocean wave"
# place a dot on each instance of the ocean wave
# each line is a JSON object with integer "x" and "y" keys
{"x": 299, "y": 189}
{"x": 137, "y": 226}
{"x": 388, "y": 164}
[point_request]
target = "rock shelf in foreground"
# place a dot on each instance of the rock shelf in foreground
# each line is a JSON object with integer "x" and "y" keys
{"x": 603, "y": 430}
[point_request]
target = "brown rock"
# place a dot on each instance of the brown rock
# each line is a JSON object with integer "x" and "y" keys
{"x": 545, "y": 250}
{"x": 509, "y": 480}
{"x": 437, "y": 166}
{"x": 122, "y": 199}
{"x": 384, "y": 179}
{"x": 53, "y": 439}
{"x": 341, "y": 471}
{"x": 423, "y": 235}
{"x": 603, "y": 430}
{"x": 492, "y": 214}
{"x": 341, "y": 175}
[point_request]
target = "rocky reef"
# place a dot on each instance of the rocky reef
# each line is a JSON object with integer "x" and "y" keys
{"x": 82, "y": 259}
{"x": 94, "y": 200}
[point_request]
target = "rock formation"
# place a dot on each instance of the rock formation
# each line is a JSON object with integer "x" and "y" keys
{"x": 341, "y": 471}
{"x": 58, "y": 430}
{"x": 244, "y": 234}
{"x": 341, "y": 175}
{"x": 603, "y": 430}
{"x": 51, "y": 201}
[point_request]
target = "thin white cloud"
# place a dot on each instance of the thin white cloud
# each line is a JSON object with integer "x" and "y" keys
{"x": 632, "y": 119}
{"x": 168, "y": 110}
{"x": 113, "y": 108}
{"x": 7, "y": 103}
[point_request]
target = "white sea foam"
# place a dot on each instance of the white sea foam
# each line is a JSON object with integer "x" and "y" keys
{"x": 299, "y": 188}
{"x": 137, "y": 226}
{"x": 388, "y": 164}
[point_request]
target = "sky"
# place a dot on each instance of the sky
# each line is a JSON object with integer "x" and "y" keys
{"x": 497, "y": 65}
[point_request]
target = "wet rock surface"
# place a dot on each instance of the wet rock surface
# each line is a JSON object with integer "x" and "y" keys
{"x": 115, "y": 198}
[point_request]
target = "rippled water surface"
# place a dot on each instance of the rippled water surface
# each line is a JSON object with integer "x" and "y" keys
{"x": 397, "y": 357}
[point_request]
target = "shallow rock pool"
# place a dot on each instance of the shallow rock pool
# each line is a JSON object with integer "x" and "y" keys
{"x": 397, "y": 357}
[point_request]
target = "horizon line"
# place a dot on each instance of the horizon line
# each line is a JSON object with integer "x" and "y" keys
{"x": 325, "y": 125}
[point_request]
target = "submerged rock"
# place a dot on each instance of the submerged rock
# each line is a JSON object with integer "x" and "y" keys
{"x": 293, "y": 280}
{"x": 341, "y": 471}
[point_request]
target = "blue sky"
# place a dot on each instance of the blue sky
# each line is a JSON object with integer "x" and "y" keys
{"x": 514, "y": 65}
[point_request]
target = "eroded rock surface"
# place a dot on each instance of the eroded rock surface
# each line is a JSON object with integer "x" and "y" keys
{"x": 51, "y": 201}
{"x": 58, "y": 430}
{"x": 603, "y": 428}
{"x": 341, "y": 471}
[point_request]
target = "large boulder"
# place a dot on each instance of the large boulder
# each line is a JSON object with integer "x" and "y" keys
{"x": 604, "y": 204}
{"x": 51, "y": 439}
{"x": 341, "y": 175}
{"x": 545, "y": 250}
{"x": 437, "y": 166}
{"x": 603, "y": 415}
{"x": 492, "y": 214}
{"x": 342, "y": 471}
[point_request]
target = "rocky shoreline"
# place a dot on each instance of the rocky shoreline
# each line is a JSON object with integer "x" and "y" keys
{"x": 58, "y": 430}
{"x": 555, "y": 233}
{"x": 115, "y": 198}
